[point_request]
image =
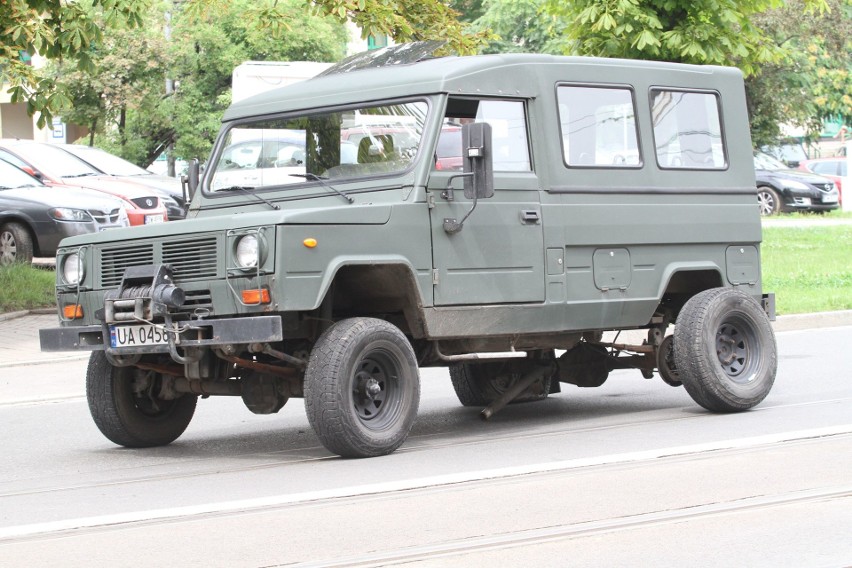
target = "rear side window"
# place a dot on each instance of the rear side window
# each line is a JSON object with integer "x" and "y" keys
{"x": 598, "y": 127}
{"x": 687, "y": 130}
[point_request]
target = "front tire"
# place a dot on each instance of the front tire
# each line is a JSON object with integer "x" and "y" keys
{"x": 724, "y": 350}
{"x": 768, "y": 200}
{"x": 125, "y": 408}
{"x": 16, "y": 245}
{"x": 362, "y": 388}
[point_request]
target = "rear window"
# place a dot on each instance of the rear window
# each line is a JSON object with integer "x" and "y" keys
{"x": 687, "y": 130}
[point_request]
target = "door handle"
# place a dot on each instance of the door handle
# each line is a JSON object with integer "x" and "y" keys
{"x": 530, "y": 216}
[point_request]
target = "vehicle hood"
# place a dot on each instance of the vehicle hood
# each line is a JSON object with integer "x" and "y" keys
{"x": 797, "y": 175}
{"x": 164, "y": 184}
{"x": 367, "y": 214}
{"x": 113, "y": 186}
{"x": 62, "y": 196}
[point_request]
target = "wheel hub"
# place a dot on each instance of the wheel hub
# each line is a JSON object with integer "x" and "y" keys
{"x": 731, "y": 349}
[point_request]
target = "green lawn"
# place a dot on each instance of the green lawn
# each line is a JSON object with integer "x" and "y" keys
{"x": 23, "y": 287}
{"x": 808, "y": 268}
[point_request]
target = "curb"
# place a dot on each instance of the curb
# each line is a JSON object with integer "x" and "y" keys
{"x": 36, "y": 312}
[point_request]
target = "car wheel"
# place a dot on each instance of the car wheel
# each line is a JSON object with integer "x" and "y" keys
{"x": 362, "y": 388}
{"x": 724, "y": 350}
{"x": 124, "y": 404}
{"x": 16, "y": 245}
{"x": 768, "y": 201}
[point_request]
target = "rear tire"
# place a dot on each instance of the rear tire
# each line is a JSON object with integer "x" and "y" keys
{"x": 130, "y": 415}
{"x": 362, "y": 388}
{"x": 724, "y": 350}
{"x": 16, "y": 245}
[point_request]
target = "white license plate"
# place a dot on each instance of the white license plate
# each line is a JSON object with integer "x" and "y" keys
{"x": 149, "y": 219}
{"x": 136, "y": 335}
{"x": 829, "y": 198}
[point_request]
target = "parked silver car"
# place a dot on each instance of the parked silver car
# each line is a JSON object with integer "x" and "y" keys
{"x": 34, "y": 217}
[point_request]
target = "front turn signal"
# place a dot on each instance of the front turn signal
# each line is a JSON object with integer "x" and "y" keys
{"x": 72, "y": 311}
{"x": 255, "y": 297}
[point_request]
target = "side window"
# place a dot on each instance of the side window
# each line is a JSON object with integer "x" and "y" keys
{"x": 687, "y": 130}
{"x": 508, "y": 130}
{"x": 598, "y": 127}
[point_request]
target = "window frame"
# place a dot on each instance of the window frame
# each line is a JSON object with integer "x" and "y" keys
{"x": 638, "y": 131}
{"x": 723, "y": 138}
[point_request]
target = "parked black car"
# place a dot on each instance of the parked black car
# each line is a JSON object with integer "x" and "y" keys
{"x": 34, "y": 217}
{"x": 168, "y": 188}
{"x": 781, "y": 189}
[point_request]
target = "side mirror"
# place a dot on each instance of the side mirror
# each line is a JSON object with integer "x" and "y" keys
{"x": 477, "y": 160}
{"x": 189, "y": 182}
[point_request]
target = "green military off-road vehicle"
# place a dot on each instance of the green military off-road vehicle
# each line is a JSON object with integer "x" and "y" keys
{"x": 491, "y": 214}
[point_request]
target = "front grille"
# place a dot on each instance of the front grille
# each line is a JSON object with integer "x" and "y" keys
{"x": 105, "y": 217}
{"x": 115, "y": 260}
{"x": 191, "y": 259}
{"x": 824, "y": 187}
{"x": 145, "y": 202}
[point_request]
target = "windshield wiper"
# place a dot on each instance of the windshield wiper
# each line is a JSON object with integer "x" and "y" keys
{"x": 249, "y": 191}
{"x": 315, "y": 177}
{"x": 81, "y": 175}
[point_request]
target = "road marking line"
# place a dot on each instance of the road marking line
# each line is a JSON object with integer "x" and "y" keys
{"x": 412, "y": 484}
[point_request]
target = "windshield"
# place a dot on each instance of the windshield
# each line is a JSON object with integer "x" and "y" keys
{"x": 351, "y": 143}
{"x": 766, "y": 162}
{"x": 12, "y": 177}
{"x": 106, "y": 162}
{"x": 55, "y": 161}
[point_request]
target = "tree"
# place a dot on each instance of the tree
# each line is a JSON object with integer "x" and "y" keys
{"x": 719, "y": 32}
{"x": 813, "y": 84}
{"x": 520, "y": 26}
{"x": 66, "y": 30}
{"x": 55, "y": 29}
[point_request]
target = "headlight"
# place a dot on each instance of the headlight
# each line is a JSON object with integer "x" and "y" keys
{"x": 247, "y": 251}
{"x": 68, "y": 214}
{"x": 72, "y": 269}
{"x": 793, "y": 184}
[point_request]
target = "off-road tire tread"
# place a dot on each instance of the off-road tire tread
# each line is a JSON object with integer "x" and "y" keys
{"x": 121, "y": 424}
{"x": 332, "y": 418}
{"x": 699, "y": 370}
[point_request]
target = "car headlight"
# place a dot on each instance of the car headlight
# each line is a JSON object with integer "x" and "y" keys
{"x": 72, "y": 269}
{"x": 247, "y": 251}
{"x": 68, "y": 214}
{"x": 793, "y": 184}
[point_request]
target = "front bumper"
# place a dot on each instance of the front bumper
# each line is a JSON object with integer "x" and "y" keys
{"x": 195, "y": 333}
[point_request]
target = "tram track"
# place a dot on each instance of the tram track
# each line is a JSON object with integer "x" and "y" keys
{"x": 599, "y": 466}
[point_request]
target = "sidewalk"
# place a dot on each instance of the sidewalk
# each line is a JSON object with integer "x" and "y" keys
{"x": 19, "y": 342}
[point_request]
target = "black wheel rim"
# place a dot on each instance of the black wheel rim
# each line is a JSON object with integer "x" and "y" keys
{"x": 376, "y": 392}
{"x": 736, "y": 349}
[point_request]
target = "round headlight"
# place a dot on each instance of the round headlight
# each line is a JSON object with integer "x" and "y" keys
{"x": 72, "y": 269}
{"x": 246, "y": 252}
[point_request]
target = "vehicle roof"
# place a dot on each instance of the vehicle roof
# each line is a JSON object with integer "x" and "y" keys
{"x": 476, "y": 75}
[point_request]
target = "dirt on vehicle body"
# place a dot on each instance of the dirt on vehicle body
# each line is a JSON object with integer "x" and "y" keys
{"x": 595, "y": 195}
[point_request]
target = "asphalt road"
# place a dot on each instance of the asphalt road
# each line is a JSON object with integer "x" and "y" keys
{"x": 633, "y": 473}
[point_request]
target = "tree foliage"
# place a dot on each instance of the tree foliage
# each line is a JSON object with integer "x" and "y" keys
{"x": 520, "y": 26}
{"x": 813, "y": 83}
{"x": 720, "y": 32}
{"x": 68, "y": 30}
